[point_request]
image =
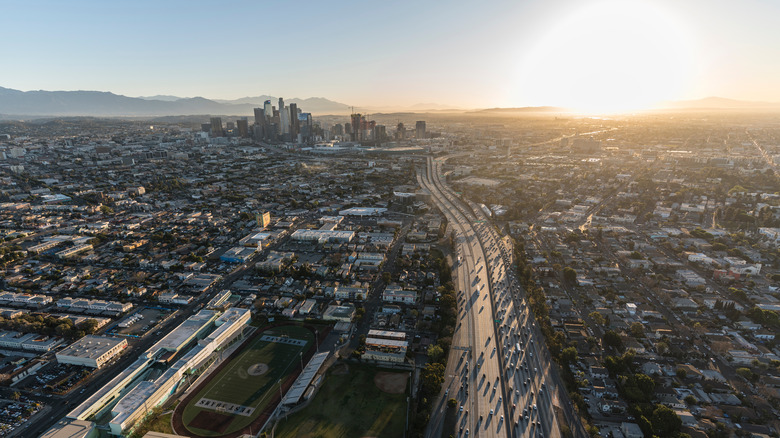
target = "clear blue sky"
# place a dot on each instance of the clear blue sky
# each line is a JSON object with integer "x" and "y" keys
{"x": 465, "y": 53}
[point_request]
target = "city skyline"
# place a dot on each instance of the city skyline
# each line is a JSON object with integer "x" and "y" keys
{"x": 594, "y": 55}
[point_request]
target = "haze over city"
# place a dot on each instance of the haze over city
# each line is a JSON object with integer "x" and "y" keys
{"x": 585, "y": 55}
{"x": 461, "y": 219}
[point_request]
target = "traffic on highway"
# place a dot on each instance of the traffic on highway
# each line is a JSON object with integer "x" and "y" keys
{"x": 499, "y": 369}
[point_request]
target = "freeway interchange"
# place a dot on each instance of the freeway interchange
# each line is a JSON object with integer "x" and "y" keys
{"x": 499, "y": 369}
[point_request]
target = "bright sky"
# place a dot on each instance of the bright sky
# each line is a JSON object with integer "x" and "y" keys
{"x": 588, "y": 54}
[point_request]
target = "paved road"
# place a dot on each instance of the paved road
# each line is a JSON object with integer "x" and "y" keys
{"x": 62, "y": 405}
{"x": 516, "y": 380}
{"x": 473, "y": 374}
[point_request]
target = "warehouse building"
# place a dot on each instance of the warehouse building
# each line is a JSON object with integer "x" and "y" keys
{"x": 324, "y": 236}
{"x": 238, "y": 254}
{"x": 92, "y": 351}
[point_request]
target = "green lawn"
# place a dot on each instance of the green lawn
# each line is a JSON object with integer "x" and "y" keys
{"x": 234, "y": 385}
{"x": 162, "y": 423}
{"x": 349, "y": 406}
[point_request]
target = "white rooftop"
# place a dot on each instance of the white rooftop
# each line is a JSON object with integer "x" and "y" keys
{"x": 185, "y": 332}
{"x": 90, "y": 347}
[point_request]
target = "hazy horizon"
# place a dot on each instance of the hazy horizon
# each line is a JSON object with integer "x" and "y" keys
{"x": 592, "y": 55}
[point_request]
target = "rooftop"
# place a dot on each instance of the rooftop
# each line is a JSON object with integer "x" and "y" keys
{"x": 91, "y": 347}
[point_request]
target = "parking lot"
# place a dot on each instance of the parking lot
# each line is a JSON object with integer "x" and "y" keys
{"x": 13, "y": 414}
{"x": 143, "y": 321}
{"x": 55, "y": 378}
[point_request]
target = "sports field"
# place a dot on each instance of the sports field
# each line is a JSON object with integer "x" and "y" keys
{"x": 355, "y": 400}
{"x": 242, "y": 389}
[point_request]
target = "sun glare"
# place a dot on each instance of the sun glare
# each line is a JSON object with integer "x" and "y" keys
{"x": 606, "y": 58}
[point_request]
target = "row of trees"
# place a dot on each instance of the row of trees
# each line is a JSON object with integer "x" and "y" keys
{"x": 432, "y": 375}
{"x": 49, "y": 326}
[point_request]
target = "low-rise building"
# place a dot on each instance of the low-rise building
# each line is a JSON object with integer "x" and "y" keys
{"x": 395, "y": 294}
{"x": 238, "y": 254}
{"x": 69, "y": 252}
{"x": 29, "y": 341}
{"x": 92, "y": 351}
{"x": 343, "y": 313}
{"x": 386, "y": 346}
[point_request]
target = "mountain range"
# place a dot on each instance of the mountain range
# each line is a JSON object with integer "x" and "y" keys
{"x": 106, "y": 104}
{"x": 99, "y": 103}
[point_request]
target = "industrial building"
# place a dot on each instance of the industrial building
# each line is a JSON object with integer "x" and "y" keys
{"x": 255, "y": 240}
{"x": 92, "y": 351}
{"x": 68, "y": 252}
{"x": 324, "y": 236}
{"x": 238, "y": 254}
{"x": 363, "y": 211}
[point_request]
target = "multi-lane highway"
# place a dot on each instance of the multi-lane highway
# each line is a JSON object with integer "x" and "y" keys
{"x": 499, "y": 368}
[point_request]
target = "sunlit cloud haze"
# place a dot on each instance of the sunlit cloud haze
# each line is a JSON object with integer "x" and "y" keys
{"x": 589, "y": 55}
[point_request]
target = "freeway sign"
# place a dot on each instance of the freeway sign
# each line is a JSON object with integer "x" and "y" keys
{"x": 498, "y": 321}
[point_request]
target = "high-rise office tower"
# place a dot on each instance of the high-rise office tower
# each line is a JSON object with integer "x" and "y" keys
{"x": 268, "y": 109}
{"x": 259, "y": 116}
{"x": 400, "y": 131}
{"x": 420, "y": 128}
{"x": 284, "y": 117}
{"x": 216, "y": 127}
{"x": 243, "y": 127}
{"x": 380, "y": 133}
{"x": 294, "y": 124}
{"x": 356, "y": 127}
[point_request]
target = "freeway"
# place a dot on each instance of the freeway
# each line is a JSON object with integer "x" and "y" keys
{"x": 473, "y": 371}
{"x": 517, "y": 386}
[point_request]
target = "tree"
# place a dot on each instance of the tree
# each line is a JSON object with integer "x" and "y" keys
{"x": 612, "y": 339}
{"x": 597, "y": 318}
{"x": 691, "y": 400}
{"x": 89, "y": 326}
{"x": 432, "y": 377}
{"x": 15, "y": 395}
{"x": 645, "y": 383}
{"x": 569, "y": 275}
{"x": 452, "y": 403}
{"x": 645, "y": 425}
{"x": 386, "y": 277}
{"x": 568, "y": 355}
{"x": 637, "y": 330}
{"x": 665, "y": 421}
{"x": 435, "y": 353}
